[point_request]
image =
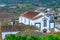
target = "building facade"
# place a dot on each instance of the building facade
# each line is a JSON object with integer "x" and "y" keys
{"x": 38, "y": 19}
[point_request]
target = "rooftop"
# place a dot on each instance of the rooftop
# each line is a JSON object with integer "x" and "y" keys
{"x": 32, "y": 14}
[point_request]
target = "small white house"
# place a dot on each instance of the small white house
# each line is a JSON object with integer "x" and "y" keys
{"x": 38, "y": 19}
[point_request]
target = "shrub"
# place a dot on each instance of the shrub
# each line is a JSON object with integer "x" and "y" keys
{"x": 25, "y": 37}
{"x": 56, "y": 17}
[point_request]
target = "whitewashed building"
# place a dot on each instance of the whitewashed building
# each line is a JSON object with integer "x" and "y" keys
{"x": 39, "y": 19}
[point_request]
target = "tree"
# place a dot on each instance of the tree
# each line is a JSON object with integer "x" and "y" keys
{"x": 56, "y": 17}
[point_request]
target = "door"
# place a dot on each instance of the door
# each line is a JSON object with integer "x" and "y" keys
{"x": 38, "y": 25}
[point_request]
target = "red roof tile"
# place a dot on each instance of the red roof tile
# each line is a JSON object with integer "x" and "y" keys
{"x": 31, "y": 15}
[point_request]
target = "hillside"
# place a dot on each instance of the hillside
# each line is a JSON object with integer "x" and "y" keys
{"x": 7, "y": 15}
{"x": 38, "y": 2}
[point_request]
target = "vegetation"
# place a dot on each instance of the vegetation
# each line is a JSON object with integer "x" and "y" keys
{"x": 25, "y": 37}
{"x": 5, "y": 23}
{"x": 56, "y": 17}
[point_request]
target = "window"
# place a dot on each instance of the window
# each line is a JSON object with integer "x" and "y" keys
{"x": 45, "y": 23}
{"x": 29, "y": 21}
{"x": 38, "y": 24}
{"x": 25, "y": 20}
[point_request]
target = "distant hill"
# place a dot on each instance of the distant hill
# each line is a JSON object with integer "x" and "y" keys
{"x": 43, "y": 2}
{"x": 26, "y": 5}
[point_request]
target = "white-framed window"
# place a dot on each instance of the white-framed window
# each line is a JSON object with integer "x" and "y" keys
{"x": 29, "y": 21}
{"x": 25, "y": 20}
{"x": 45, "y": 23}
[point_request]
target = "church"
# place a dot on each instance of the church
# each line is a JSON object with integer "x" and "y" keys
{"x": 42, "y": 20}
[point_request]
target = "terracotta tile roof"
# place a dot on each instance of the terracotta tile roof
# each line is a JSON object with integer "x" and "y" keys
{"x": 31, "y": 15}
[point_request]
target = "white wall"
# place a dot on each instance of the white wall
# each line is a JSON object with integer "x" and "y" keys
{"x": 20, "y": 19}
{"x": 32, "y": 22}
{"x": 5, "y": 33}
{"x": 51, "y": 25}
{"x": 23, "y": 20}
{"x": 37, "y": 21}
{"x": 27, "y": 21}
{"x": 42, "y": 23}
